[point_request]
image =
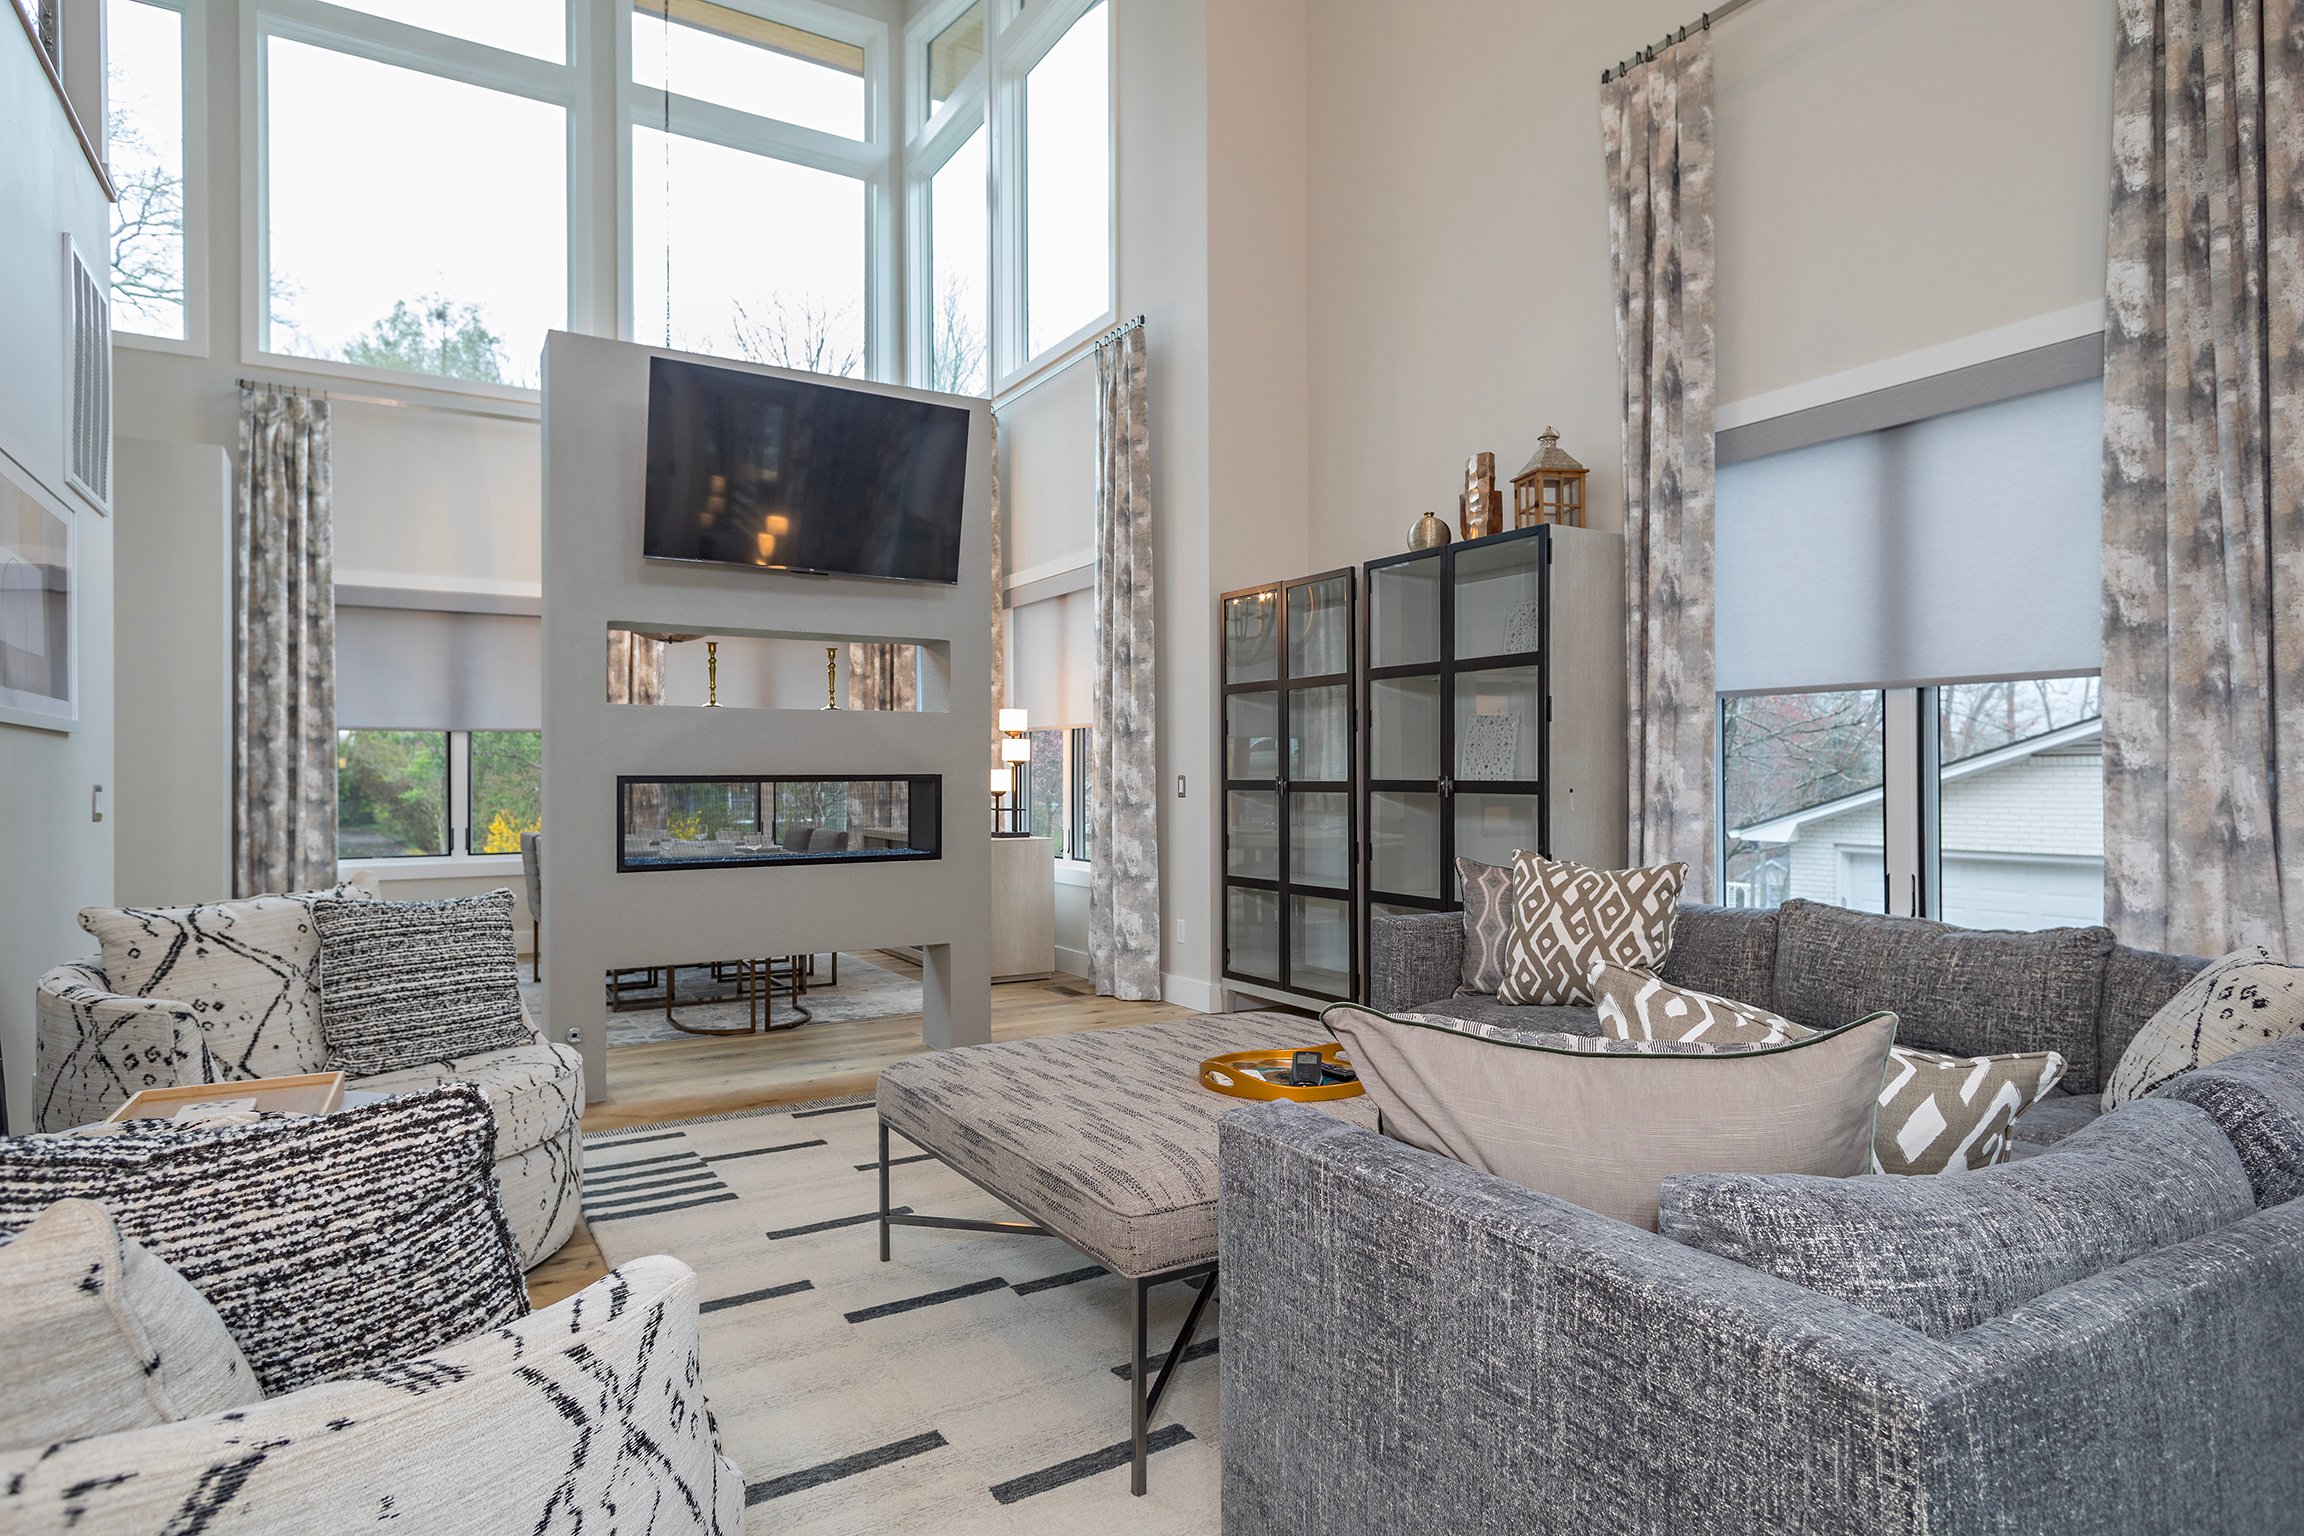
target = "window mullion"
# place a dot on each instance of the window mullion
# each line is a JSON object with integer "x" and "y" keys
{"x": 433, "y": 53}
{"x": 459, "y": 794}
{"x": 1901, "y": 799}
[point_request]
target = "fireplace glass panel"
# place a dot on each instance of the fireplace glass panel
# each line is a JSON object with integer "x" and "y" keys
{"x": 718, "y": 823}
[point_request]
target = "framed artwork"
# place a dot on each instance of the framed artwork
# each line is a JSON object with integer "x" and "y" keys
{"x": 39, "y": 606}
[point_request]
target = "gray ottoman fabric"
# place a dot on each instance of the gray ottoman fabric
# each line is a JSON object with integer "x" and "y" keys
{"x": 2138, "y": 983}
{"x": 2257, "y": 1097}
{"x": 1106, "y": 1138}
{"x": 1962, "y": 991}
{"x": 2052, "y": 1119}
{"x": 1522, "y": 1018}
{"x": 1726, "y": 951}
{"x": 1943, "y": 1255}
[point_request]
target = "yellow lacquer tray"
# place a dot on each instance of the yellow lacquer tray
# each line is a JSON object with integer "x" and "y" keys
{"x": 1236, "y": 1075}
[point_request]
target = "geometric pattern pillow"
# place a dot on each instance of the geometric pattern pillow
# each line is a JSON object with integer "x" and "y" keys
{"x": 327, "y": 1243}
{"x": 103, "y": 1337}
{"x": 403, "y": 983}
{"x": 1951, "y": 1114}
{"x": 2244, "y": 999}
{"x": 1487, "y": 925}
{"x": 1566, "y": 919}
{"x": 1938, "y": 1113}
{"x": 1636, "y": 1006}
{"x": 249, "y": 970}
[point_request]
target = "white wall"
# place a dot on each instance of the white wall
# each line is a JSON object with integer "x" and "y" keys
{"x": 1890, "y": 174}
{"x": 58, "y": 859}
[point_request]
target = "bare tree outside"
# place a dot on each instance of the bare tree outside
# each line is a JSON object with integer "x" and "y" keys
{"x": 1785, "y": 752}
{"x": 1974, "y": 718}
{"x": 956, "y": 344}
{"x": 798, "y": 333}
{"x": 147, "y": 224}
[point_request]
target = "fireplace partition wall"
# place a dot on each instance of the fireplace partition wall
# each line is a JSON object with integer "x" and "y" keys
{"x": 728, "y": 822}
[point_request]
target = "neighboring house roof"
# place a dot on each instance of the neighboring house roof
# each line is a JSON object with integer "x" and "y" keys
{"x": 1786, "y": 828}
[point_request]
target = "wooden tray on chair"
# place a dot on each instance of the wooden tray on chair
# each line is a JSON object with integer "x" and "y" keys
{"x": 307, "y": 1093}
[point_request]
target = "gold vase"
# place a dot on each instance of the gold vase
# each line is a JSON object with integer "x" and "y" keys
{"x": 1429, "y": 533}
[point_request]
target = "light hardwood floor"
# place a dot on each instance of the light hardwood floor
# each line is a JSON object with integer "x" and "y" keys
{"x": 688, "y": 1079}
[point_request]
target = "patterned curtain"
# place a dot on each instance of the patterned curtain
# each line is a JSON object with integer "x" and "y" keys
{"x": 284, "y": 648}
{"x": 1656, "y": 126}
{"x": 1123, "y": 806}
{"x": 999, "y": 602}
{"x": 2204, "y": 479}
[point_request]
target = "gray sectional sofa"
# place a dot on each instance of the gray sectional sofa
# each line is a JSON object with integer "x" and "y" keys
{"x": 1411, "y": 1345}
{"x": 1966, "y": 991}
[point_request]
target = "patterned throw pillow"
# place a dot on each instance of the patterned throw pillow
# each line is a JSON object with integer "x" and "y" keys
{"x": 2244, "y": 999}
{"x": 1634, "y": 1005}
{"x": 403, "y": 983}
{"x": 103, "y": 1337}
{"x": 249, "y": 970}
{"x": 1487, "y": 925}
{"x": 1566, "y": 919}
{"x": 1938, "y": 1113}
{"x": 327, "y": 1243}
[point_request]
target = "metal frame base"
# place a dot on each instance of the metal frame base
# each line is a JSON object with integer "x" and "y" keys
{"x": 1143, "y": 1400}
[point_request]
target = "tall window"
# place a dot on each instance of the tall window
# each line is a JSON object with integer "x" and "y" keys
{"x": 959, "y": 243}
{"x": 392, "y": 791}
{"x": 406, "y": 249}
{"x": 1068, "y": 184}
{"x": 1801, "y": 780}
{"x": 144, "y": 145}
{"x": 754, "y": 146}
{"x": 537, "y": 28}
{"x": 953, "y": 54}
{"x": 505, "y": 772}
{"x": 2019, "y": 819}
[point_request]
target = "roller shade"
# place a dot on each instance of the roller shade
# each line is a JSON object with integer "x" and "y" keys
{"x": 420, "y": 669}
{"x": 1052, "y": 649}
{"x": 1962, "y": 546}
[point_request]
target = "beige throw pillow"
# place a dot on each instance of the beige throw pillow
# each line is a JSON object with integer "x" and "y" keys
{"x": 1938, "y": 1113}
{"x": 1602, "y": 1129}
{"x": 103, "y": 1337}
{"x": 2244, "y": 999}
{"x": 1566, "y": 919}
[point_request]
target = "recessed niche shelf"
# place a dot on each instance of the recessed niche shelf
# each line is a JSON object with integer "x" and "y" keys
{"x": 759, "y": 820}
{"x": 650, "y": 667}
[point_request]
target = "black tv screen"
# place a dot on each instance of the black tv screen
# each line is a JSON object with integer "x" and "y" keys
{"x": 745, "y": 469}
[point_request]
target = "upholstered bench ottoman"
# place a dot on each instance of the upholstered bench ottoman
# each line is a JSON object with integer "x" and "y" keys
{"x": 1105, "y": 1139}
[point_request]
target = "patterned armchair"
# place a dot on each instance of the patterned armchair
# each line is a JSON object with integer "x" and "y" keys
{"x": 586, "y": 1415}
{"x": 231, "y": 991}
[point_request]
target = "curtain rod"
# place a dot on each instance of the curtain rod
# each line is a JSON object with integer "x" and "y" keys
{"x": 1720, "y": 12}
{"x": 1118, "y": 331}
{"x": 1049, "y": 371}
{"x": 509, "y": 412}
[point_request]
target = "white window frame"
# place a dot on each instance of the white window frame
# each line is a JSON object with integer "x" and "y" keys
{"x": 870, "y": 160}
{"x": 383, "y": 41}
{"x": 1013, "y": 47}
{"x": 931, "y": 142}
{"x": 193, "y": 60}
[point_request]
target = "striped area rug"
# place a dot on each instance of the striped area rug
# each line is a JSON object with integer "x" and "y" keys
{"x": 976, "y": 1383}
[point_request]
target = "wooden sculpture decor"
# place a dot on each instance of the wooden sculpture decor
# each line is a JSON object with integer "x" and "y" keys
{"x": 1480, "y": 513}
{"x": 1550, "y": 489}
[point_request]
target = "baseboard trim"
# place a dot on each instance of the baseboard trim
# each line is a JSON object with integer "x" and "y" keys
{"x": 1073, "y": 962}
{"x": 1192, "y": 992}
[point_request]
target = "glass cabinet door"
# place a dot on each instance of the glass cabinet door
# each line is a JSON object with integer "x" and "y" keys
{"x": 1289, "y": 814}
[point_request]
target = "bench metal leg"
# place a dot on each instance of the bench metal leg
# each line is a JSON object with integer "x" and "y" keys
{"x": 1143, "y": 1398}
{"x": 883, "y": 1191}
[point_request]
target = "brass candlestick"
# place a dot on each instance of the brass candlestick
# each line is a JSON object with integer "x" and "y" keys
{"x": 711, "y": 674}
{"x": 831, "y": 677}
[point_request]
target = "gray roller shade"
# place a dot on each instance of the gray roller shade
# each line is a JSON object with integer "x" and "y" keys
{"x": 1966, "y": 545}
{"x": 419, "y": 669}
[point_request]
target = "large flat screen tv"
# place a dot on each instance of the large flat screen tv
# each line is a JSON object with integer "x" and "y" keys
{"x": 745, "y": 469}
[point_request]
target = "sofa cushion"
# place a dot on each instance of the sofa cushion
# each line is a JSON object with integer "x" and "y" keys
{"x": 536, "y": 1090}
{"x": 1567, "y": 918}
{"x": 1602, "y": 1129}
{"x": 326, "y": 1242}
{"x": 2057, "y": 1115}
{"x": 2257, "y": 1097}
{"x": 103, "y": 1337}
{"x": 1726, "y": 951}
{"x": 404, "y": 983}
{"x": 1487, "y": 924}
{"x": 1943, "y": 1255}
{"x": 2137, "y": 984}
{"x": 2245, "y": 999}
{"x": 249, "y": 970}
{"x": 1527, "y": 1019}
{"x": 1962, "y": 991}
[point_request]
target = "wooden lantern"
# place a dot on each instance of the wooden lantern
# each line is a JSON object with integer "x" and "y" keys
{"x": 1550, "y": 489}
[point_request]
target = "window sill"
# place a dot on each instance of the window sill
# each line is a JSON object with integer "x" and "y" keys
{"x": 433, "y": 866}
{"x": 1071, "y": 872}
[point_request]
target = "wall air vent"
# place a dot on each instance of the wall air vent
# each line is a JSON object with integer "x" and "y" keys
{"x": 87, "y": 381}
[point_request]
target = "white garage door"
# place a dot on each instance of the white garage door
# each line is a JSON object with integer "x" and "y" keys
{"x": 2013, "y": 891}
